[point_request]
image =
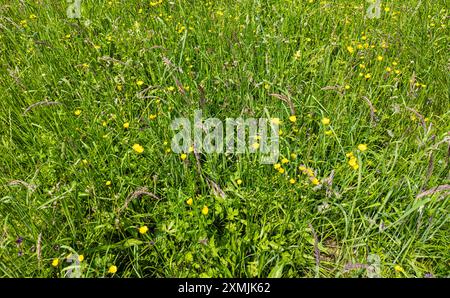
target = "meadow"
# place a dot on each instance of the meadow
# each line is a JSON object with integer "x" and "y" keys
{"x": 89, "y": 183}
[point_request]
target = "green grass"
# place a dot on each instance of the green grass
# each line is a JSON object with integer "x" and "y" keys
{"x": 54, "y": 165}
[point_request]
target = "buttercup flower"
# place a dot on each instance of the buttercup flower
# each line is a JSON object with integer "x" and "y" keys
{"x": 143, "y": 230}
{"x": 112, "y": 269}
{"x": 138, "y": 148}
{"x": 205, "y": 210}
{"x": 326, "y": 121}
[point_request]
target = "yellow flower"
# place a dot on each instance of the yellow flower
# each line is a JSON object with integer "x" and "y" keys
{"x": 387, "y": 9}
{"x": 112, "y": 269}
{"x": 293, "y": 156}
{"x": 143, "y": 229}
{"x": 276, "y": 121}
{"x": 399, "y": 268}
{"x": 85, "y": 162}
{"x": 140, "y": 83}
{"x": 77, "y": 113}
{"x": 328, "y": 132}
{"x": 152, "y": 117}
{"x": 326, "y": 121}
{"x": 80, "y": 258}
{"x": 239, "y": 182}
{"x": 126, "y": 125}
{"x": 171, "y": 88}
{"x": 284, "y": 160}
{"x": 292, "y": 181}
{"x": 183, "y": 156}
{"x": 362, "y": 147}
{"x": 32, "y": 16}
{"x": 55, "y": 262}
{"x": 347, "y": 87}
{"x": 189, "y": 201}
{"x": 350, "y": 49}
{"x": 315, "y": 181}
{"x": 293, "y": 118}
{"x": 281, "y": 170}
{"x": 388, "y": 69}
{"x": 108, "y": 183}
{"x": 302, "y": 168}
{"x": 138, "y": 148}
{"x": 380, "y": 58}
{"x": 205, "y": 210}
{"x": 255, "y": 146}
{"x": 368, "y": 76}
{"x": 277, "y": 166}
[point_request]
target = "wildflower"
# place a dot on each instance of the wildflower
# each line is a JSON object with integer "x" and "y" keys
{"x": 347, "y": 87}
{"x": 302, "y": 168}
{"x": 315, "y": 181}
{"x": 292, "y": 181}
{"x": 80, "y": 258}
{"x": 183, "y": 156}
{"x": 255, "y": 146}
{"x": 171, "y": 88}
{"x": 368, "y": 76}
{"x": 139, "y": 83}
{"x": 350, "y": 49}
{"x": 328, "y": 132}
{"x": 297, "y": 55}
{"x": 388, "y": 69}
{"x": 293, "y": 118}
{"x": 126, "y": 125}
{"x": 399, "y": 268}
{"x": 55, "y": 262}
{"x": 32, "y": 16}
{"x": 84, "y": 161}
{"x": 205, "y": 210}
{"x": 138, "y": 148}
{"x": 112, "y": 269}
{"x": 77, "y": 113}
{"x": 387, "y": 9}
{"x": 239, "y": 182}
{"x": 277, "y": 166}
{"x": 284, "y": 160}
{"x": 380, "y": 58}
{"x": 362, "y": 147}
{"x": 152, "y": 117}
{"x": 189, "y": 201}
{"x": 281, "y": 170}
{"x": 293, "y": 156}
{"x": 276, "y": 121}
{"x": 108, "y": 183}
{"x": 143, "y": 230}
{"x": 326, "y": 121}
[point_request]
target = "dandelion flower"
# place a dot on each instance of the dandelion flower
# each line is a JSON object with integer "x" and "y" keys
{"x": 183, "y": 156}
{"x": 284, "y": 160}
{"x": 55, "y": 262}
{"x": 189, "y": 201}
{"x": 126, "y": 125}
{"x": 138, "y": 148}
{"x": 350, "y": 49}
{"x": 277, "y": 166}
{"x": 112, "y": 269}
{"x": 399, "y": 268}
{"x": 281, "y": 170}
{"x": 293, "y": 118}
{"x": 205, "y": 210}
{"x": 80, "y": 258}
